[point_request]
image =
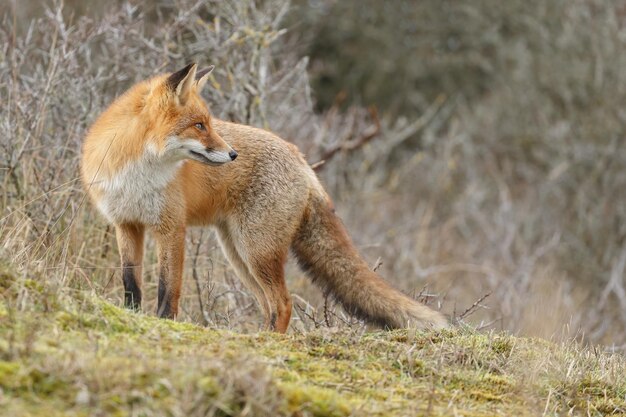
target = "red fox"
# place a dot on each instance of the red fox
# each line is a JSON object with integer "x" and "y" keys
{"x": 157, "y": 160}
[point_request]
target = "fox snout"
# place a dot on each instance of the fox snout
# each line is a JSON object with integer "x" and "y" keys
{"x": 211, "y": 156}
{"x": 218, "y": 151}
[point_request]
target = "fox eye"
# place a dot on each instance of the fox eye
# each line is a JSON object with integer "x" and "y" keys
{"x": 200, "y": 126}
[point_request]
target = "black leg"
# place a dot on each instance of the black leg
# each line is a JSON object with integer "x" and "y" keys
{"x": 132, "y": 292}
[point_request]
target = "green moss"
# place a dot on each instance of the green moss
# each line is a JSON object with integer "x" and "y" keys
{"x": 595, "y": 394}
{"x": 502, "y": 345}
{"x": 317, "y": 401}
{"x": 33, "y": 382}
{"x": 122, "y": 359}
{"x": 33, "y": 285}
{"x": 9, "y": 372}
{"x": 7, "y": 276}
{"x": 483, "y": 387}
{"x": 609, "y": 406}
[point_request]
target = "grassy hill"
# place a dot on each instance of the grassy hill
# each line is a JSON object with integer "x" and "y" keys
{"x": 75, "y": 354}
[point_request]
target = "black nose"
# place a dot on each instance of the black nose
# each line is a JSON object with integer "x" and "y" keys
{"x": 233, "y": 155}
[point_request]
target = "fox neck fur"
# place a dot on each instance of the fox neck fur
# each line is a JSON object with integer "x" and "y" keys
{"x": 136, "y": 193}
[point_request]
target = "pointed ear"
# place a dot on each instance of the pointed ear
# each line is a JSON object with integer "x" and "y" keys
{"x": 202, "y": 77}
{"x": 181, "y": 82}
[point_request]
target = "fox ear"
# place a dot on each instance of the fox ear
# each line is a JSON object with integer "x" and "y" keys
{"x": 181, "y": 82}
{"x": 202, "y": 77}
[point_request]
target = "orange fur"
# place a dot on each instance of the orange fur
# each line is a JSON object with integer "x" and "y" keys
{"x": 142, "y": 152}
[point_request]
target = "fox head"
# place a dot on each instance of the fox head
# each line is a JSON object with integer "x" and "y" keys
{"x": 180, "y": 121}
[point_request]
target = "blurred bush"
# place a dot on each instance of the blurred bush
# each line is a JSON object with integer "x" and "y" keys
{"x": 525, "y": 160}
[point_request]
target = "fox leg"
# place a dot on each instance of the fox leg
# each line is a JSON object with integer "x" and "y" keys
{"x": 243, "y": 273}
{"x": 266, "y": 281}
{"x": 269, "y": 272}
{"x": 171, "y": 253}
{"x": 130, "y": 245}
{"x": 266, "y": 263}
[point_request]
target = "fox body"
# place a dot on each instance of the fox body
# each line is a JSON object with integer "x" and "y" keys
{"x": 157, "y": 160}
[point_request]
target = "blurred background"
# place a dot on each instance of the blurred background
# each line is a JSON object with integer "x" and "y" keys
{"x": 475, "y": 150}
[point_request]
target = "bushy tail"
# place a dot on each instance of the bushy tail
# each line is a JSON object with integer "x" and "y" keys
{"x": 325, "y": 251}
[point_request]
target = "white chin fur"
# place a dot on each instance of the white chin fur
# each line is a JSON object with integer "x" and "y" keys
{"x": 210, "y": 158}
{"x": 192, "y": 149}
{"x": 218, "y": 157}
{"x": 136, "y": 192}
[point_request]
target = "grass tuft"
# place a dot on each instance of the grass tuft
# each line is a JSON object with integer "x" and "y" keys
{"x": 89, "y": 357}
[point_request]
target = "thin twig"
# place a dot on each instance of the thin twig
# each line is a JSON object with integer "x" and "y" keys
{"x": 471, "y": 309}
{"x": 347, "y": 146}
{"x": 326, "y": 318}
{"x": 377, "y": 264}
